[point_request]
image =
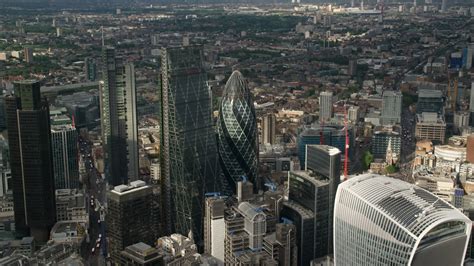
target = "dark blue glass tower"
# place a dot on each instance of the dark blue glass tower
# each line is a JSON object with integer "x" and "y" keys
{"x": 237, "y": 132}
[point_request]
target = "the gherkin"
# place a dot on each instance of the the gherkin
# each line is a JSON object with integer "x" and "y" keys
{"x": 237, "y": 133}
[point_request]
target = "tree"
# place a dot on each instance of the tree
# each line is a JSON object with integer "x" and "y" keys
{"x": 367, "y": 159}
{"x": 391, "y": 169}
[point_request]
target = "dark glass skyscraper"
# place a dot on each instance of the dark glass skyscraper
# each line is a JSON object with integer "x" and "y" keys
{"x": 118, "y": 118}
{"x": 29, "y": 139}
{"x": 237, "y": 132}
{"x": 188, "y": 147}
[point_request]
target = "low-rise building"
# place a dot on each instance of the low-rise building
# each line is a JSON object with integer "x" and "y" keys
{"x": 70, "y": 205}
{"x": 141, "y": 254}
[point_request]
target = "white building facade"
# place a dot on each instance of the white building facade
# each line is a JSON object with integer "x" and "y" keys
{"x": 383, "y": 221}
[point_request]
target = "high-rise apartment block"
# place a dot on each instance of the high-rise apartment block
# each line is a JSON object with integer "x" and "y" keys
{"x": 237, "y": 133}
{"x": 29, "y": 136}
{"x": 379, "y": 220}
{"x": 189, "y": 162}
{"x": 268, "y": 129}
{"x": 28, "y": 55}
{"x": 391, "y": 107}
{"x": 325, "y": 105}
{"x": 119, "y": 118}
{"x": 129, "y": 217}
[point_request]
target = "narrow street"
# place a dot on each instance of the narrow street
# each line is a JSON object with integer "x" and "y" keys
{"x": 408, "y": 144}
{"x": 95, "y": 250}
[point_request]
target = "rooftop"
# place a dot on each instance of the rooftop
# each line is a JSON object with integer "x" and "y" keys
{"x": 134, "y": 186}
{"x": 413, "y": 208}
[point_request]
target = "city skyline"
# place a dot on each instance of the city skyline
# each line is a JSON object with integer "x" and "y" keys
{"x": 236, "y": 133}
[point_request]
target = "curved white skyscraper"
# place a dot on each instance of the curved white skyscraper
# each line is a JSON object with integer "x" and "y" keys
{"x": 379, "y": 220}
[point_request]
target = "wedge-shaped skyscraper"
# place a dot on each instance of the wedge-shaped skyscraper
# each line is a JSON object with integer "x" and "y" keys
{"x": 237, "y": 132}
{"x": 379, "y": 220}
{"x": 189, "y": 161}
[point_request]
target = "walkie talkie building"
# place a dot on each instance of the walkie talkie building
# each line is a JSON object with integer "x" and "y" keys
{"x": 379, "y": 220}
{"x": 237, "y": 132}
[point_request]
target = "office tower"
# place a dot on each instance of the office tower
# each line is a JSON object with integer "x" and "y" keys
{"x": 430, "y": 126}
{"x": 333, "y": 135}
{"x": 237, "y": 132}
{"x": 282, "y": 244}
{"x": 128, "y": 217}
{"x": 443, "y": 5}
{"x": 352, "y": 70}
{"x": 188, "y": 139}
{"x": 28, "y": 55}
{"x": 379, "y": 220}
{"x": 471, "y": 106}
{"x": 381, "y": 137}
{"x": 324, "y": 162}
{"x": 3, "y": 124}
{"x": 31, "y": 163}
{"x": 325, "y": 106}
{"x": 268, "y": 129}
{"x": 5, "y": 181}
{"x": 90, "y": 67}
{"x": 391, "y": 107}
{"x": 214, "y": 225}
{"x": 460, "y": 120}
{"x": 429, "y": 101}
{"x": 119, "y": 119}
{"x": 308, "y": 208}
{"x": 64, "y": 141}
{"x": 470, "y": 148}
{"x": 469, "y": 53}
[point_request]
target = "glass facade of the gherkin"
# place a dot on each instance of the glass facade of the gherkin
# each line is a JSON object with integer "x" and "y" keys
{"x": 237, "y": 133}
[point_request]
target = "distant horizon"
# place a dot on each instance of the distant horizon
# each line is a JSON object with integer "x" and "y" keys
{"x": 124, "y": 3}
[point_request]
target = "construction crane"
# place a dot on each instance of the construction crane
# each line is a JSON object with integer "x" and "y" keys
{"x": 346, "y": 147}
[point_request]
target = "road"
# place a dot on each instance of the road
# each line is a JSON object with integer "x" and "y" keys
{"x": 95, "y": 250}
{"x": 408, "y": 142}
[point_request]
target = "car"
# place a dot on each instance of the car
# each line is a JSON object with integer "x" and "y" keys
{"x": 98, "y": 221}
{"x": 100, "y": 235}
{"x": 98, "y": 245}
{"x": 93, "y": 250}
